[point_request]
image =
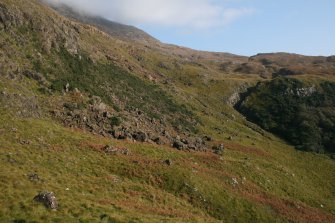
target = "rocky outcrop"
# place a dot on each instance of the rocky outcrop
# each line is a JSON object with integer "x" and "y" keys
{"x": 301, "y": 92}
{"x": 51, "y": 32}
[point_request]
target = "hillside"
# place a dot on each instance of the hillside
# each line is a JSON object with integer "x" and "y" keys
{"x": 125, "y": 131}
{"x": 114, "y": 29}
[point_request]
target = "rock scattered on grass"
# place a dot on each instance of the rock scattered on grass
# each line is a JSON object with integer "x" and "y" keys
{"x": 168, "y": 162}
{"x": 218, "y": 149}
{"x": 234, "y": 182}
{"x": 178, "y": 145}
{"x": 33, "y": 177}
{"x": 114, "y": 151}
{"x": 48, "y": 199}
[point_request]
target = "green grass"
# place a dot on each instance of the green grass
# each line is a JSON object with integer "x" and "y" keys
{"x": 196, "y": 188}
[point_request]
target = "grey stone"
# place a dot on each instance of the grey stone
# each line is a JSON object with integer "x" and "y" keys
{"x": 218, "y": 149}
{"x": 33, "y": 177}
{"x": 179, "y": 145}
{"x": 140, "y": 136}
{"x": 168, "y": 162}
{"x": 48, "y": 199}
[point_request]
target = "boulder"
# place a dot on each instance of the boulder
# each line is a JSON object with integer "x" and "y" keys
{"x": 158, "y": 141}
{"x": 121, "y": 134}
{"x": 140, "y": 136}
{"x": 208, "y": 138}
{"x": 48, "y": 199}
{"x": 179, "y": 145}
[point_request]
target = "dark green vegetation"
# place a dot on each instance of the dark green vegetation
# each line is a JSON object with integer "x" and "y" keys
{"x": 67, "y": 91}
{"x": 303, "y": 113}
{"x": 108, "y": 81}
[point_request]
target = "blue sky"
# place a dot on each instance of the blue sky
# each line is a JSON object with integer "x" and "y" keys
{"x": 244, "y": 27}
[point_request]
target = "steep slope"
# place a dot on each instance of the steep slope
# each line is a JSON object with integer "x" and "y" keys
{"x": 68, "y": 90}
{"x": 114, "y": 29}
{"x": 300, "y": 111}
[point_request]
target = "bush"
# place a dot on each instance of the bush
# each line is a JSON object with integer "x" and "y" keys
{"x": 115, "y": 121}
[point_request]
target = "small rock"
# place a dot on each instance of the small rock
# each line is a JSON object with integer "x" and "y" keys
{"x": 48, "y": 199}
{"x": 25, "y": 142}
{"x": 33, "y": 177}
{"x": 178, "y": 145}
{"x": 234, "y": 181}
{"x": 185, "y": 141}
{"x": 208, "y": 138}
{"x": 218, "y": 149}
{"x": 67, "y": 87}
{"x": 168, "y": 162}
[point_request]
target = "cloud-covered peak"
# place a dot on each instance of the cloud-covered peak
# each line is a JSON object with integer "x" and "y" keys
{"x": 177, "y": 13}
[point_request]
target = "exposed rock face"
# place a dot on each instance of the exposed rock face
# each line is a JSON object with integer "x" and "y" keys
{"x": 55, "y": 36}
{"x": 301, "y": 92}
{"x": 234, "y": 99}
{"x": 48, "y": 199}
{"x": 10, "y": 18}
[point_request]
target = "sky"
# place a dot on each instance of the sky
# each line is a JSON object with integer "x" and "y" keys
{"x": 244, "y": 27}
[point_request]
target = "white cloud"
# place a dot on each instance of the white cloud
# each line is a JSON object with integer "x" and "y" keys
{"x": 178, "y": 13}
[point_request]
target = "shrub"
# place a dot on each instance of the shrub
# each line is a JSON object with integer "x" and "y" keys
{"x": 115, "y": 121}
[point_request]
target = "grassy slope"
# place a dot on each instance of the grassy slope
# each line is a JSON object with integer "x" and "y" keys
{"x": 275, "y": 182}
